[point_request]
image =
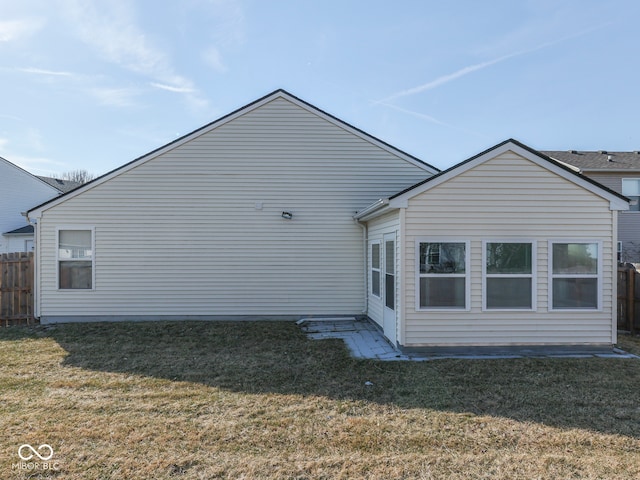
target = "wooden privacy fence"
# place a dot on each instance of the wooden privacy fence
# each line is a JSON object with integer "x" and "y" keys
{"x": 628, "y": 299}
{"x": 16, "y": 288}
{"x": 16, "y": 292}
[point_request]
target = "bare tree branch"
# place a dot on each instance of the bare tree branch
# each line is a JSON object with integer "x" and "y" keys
{"x": 80, "y": 176}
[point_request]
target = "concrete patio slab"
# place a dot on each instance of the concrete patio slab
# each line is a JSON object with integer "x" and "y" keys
{"x": 365, "y": 340}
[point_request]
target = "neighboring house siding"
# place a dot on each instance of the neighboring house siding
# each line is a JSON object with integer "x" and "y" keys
{"x": 629, "y": 235}
{"x": 19, "y": 243}
{"x": 377, "y": 228}
{"x": 19, "y": 191}
{"x": 629, "y": 221}
{"x": 609, "y": 180}
{"x": 508, "y": 197}
{"x": 184, "y": 234}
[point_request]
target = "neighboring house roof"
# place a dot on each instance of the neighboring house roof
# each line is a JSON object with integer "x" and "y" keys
{"x": 63, "y": 185}
{"x": 227, "y": 118}
{"x": 400, "y": 199}
{"x": 6, "y": 162}
{"x": 26, "y": 230}
{"x": 601, "y": 160}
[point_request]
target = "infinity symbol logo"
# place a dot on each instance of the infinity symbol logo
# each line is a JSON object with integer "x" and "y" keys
{"x": 35, "y": 452}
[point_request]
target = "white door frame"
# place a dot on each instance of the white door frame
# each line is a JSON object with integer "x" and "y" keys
{"x": 389, "y": 287}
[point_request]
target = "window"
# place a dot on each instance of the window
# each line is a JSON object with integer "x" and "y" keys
{"x": 631, "y": 189}
{"x": 75, "y": 259}
{"x": 442, "y": 275}
{"x": 375, "y": 269}
{"x": 389, "y": 274}
{"x": 575, "y": 275}
{"x": 508, "y": 276}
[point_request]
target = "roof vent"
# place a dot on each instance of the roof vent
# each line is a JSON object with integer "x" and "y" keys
{"x": 604, "y": 152}
{"x": 573, "y": 151}
{"x": 637, "y": 152}
{"x": 609, "y": 158}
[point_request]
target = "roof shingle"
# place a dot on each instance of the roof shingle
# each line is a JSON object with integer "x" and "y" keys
{"x": 599, "y": 160}
{"x": 63, "y": 185}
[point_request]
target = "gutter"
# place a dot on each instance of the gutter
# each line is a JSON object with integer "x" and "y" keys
{"x": 568, "y": 165}
{"x": 383, "y": 202}
{"x": 365, "y": 265}
{"x": 36, "y": 246}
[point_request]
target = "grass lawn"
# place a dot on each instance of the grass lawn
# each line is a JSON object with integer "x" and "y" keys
{"x": 202, "y": 400}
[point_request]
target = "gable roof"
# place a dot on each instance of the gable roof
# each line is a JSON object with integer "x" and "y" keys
{"x": 400, "y": 199}
{"x": 225, "y": 119}
{"x": 599, "y": 160}
{"x": 62, "y": 185}
{"x": 25, "y": 173}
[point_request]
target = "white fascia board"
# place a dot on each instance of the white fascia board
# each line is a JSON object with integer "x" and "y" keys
{"x": 615, "y": 203}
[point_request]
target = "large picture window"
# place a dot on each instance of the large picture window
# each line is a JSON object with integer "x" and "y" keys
{"x": 442, "y": 275}
{"x": 575, "y": 275}
{"x": 75, "y": 259}
{"x": 509, "y": 282}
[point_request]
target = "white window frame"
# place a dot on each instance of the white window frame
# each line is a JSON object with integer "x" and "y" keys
{"x": 598, "y": 276}
{"x": 532, "y": 275}
{"x": 379, "y": 269}
{"x": 635, "y": 179}
{"x": 93, "y": 257}
{"x": 466, "y": 275}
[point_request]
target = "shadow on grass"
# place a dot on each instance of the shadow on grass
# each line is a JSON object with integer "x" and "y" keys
{"x": 275, "y": 357}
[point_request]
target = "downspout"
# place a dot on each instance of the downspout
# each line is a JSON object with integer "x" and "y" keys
{"x": 363, "y": 226}
{"x": 36, "y": 256}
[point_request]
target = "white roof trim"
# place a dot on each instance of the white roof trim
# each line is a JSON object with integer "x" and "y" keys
{"x": 568, "y": 165}
{"x": 37, "y": 211}
{"x": 615, "y": 203}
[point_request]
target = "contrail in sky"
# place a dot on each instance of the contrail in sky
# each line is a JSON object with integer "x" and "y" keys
{"x": 479, "y": 66}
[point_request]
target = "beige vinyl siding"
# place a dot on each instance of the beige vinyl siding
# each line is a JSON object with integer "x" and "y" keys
{"x": 508, "y": 198}
{"x": 376, "y": 229}
{"x": 181, "y": 234}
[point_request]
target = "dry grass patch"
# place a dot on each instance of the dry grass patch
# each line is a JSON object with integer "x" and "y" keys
{"x": 258, "y": 400}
